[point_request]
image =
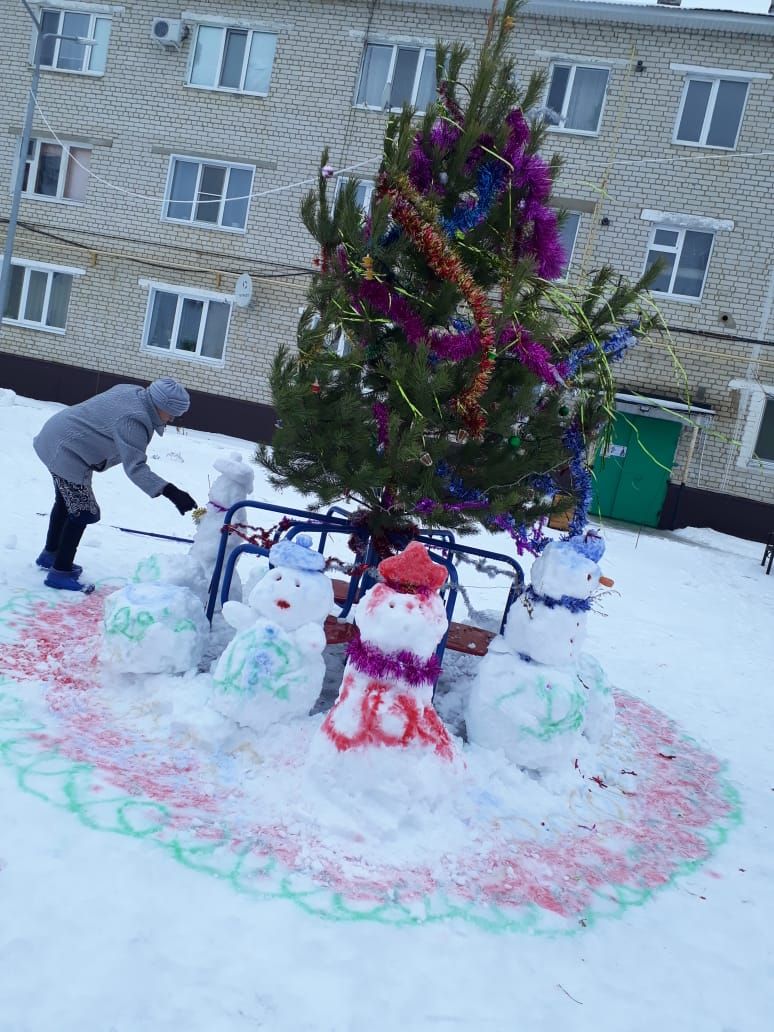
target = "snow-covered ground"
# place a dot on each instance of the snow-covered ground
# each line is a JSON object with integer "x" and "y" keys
{"x": 107, "y": 933}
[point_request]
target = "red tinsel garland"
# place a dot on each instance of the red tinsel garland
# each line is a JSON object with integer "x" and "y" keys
{"x": 445, "y": 263}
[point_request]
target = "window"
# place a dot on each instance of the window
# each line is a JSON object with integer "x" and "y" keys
{"x": 364, "y": 191}
{"x": 208, "y": 193}
{"x": 39, "y": 295}
{"x": 392, "y": 76}
{"x": 57, "y": 171}
{"x": 576, "y": 94}
{"x": 685, "y": 255}
{"x": 568, "y": 231}
{"x": 711, "y": 112}
{"x": 764, "y": 445}
{"x": 66, "y": 54}
{"x": 237, "y": 60}
{"x": 187, "y": 323}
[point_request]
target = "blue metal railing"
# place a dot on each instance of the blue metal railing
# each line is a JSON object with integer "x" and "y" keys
{"x": 441, "y": 543}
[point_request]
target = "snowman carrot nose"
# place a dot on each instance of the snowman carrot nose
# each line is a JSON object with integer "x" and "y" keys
{"x": 606, "y": 582}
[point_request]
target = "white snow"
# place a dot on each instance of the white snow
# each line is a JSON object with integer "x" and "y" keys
{"x": 105, "y": 932}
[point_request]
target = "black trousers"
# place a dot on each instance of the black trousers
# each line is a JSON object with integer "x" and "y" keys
{"x": 65, "y": 530}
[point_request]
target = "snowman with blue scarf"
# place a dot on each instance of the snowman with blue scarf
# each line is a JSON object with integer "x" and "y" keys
{"x": 537, "y": 696}
{"x": 273, "y": 669}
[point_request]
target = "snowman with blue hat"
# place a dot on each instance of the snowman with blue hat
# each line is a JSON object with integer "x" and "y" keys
{"x": 272, "y": 671}
{"x": 537, "y": 696}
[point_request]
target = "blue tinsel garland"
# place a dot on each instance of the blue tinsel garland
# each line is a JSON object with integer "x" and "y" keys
{"x": 575, "y": 605}
{"x": 490, "y": 179}
{"x": 613, "y": 348}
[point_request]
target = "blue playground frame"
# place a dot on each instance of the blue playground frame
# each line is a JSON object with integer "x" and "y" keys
{"x": 441, "y": 544}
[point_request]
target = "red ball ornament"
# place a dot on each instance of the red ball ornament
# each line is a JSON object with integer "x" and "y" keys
{"x": 315, "y": 388}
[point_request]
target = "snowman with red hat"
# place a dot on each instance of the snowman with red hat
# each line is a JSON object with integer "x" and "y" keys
{"x": 537, "y": 696}
{"x": 383, "y": 730}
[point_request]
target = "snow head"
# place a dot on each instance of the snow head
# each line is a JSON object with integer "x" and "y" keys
{"x": 235, "y": 481}
{"x": 568, "y": 569}
{"x": 295, "y": 592}
{"x": 234, "y": 484}
{"x": 548, "y": 623}
{"x": 405, "y": 612}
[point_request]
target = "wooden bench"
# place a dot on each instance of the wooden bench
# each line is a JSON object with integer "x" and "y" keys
{"x": 461, "y": 638}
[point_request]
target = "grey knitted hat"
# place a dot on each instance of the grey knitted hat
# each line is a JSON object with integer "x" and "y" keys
{"x": 169, "y": 396}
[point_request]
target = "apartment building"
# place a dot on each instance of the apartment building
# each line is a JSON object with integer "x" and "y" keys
{"x": 159, "y": 230}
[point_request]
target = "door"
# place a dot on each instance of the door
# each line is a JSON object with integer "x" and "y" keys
{"x": 630, "y": 481}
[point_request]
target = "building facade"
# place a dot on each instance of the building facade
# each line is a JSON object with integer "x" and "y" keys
{"x": 159, "y": 229}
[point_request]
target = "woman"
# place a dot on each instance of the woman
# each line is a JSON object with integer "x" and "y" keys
{"x": 115, "y": 426}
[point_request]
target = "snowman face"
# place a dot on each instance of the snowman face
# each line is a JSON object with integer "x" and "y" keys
{"x": 394, "y": 621}
{"x": 561, "y": 570}
{"x": 291, "y": 598}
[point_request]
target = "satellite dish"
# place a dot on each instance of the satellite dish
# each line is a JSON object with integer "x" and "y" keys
{"x": 243, "y": 291}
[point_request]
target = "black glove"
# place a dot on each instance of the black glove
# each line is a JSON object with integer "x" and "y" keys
{"x": 181, "y": 499}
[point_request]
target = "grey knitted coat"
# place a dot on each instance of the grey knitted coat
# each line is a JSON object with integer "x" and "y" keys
{"x": 115, "y": 426}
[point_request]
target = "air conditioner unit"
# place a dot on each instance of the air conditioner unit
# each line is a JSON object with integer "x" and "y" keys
{"x": 168, "y": 32}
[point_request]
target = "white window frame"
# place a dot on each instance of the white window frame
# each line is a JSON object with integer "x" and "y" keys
{"x": 201, "y": 162}
{"x": 369, "y": 185}
{"x": 251, "y": 32}
{"x": 768, "y": 399}
{"x": 573, "y": 66}
{"x": 760, "y": 394}
{"x": 30, "y": 266}
{"x": 579, "y": 214}
{"x": 97, "y": 13}
{"x": 66, "y": 147}
{"x": 677, "y": 250}
{"x": 422, "y": 49}
{"x": 715, "y": 80}
{"x": 182, "y": 294}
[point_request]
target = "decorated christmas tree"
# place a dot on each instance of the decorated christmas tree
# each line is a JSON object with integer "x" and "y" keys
{"x": 442, "y": 376}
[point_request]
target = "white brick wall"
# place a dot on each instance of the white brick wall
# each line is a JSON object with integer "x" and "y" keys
{"x": 141, "y": 109}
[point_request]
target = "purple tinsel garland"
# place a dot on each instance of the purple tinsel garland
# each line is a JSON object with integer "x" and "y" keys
{"x": 532, "y": 540}
{"x": 455, "y": 346}
{"x": 382, "y": 416}
{"x": 544, "y": 244}
{"x": 532, "y": 355}
{"x": 404, "y": 665}
{"x": 396, "y": 308}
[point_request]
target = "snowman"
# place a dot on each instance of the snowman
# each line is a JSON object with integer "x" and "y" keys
{"x": 537, "y": 696}
{"x": 234, "y": 484}
{"x": 153, "y": 628}
{"x": 273, "y": 668}
{"x": 383, "y": 739}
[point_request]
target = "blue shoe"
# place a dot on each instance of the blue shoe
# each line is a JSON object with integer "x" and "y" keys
{"x": 46, "y": 560}
{"x": 66, "y": 580}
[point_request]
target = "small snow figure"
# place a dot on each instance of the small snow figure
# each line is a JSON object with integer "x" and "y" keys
{"x": 234, "y": 484}
{"x": 153, "y": 629}
{"x": 536, "y": 693}
{"x": 273, "y": 669}
{"x": 386, "y": 694}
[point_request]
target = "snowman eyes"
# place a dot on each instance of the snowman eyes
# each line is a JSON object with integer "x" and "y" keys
{"x": 391, "y": 605}
{"x": 298, "y": 583}
{"x": 588, "y": 576}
